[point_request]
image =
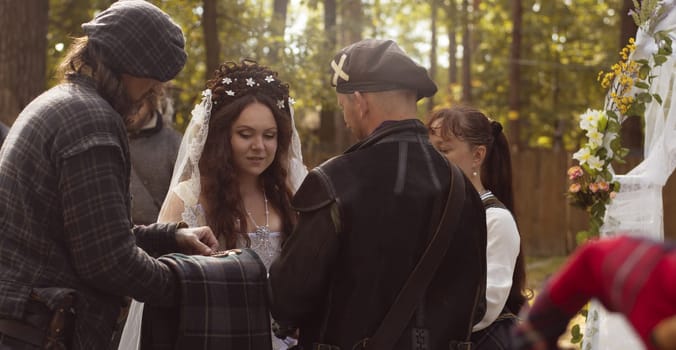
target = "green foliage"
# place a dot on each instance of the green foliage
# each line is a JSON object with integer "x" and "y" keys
{"x": 564, "y": 44}
{"x": 628, "y": 86}
{"x": 644, "y": 11}
{"x": 576, "y": 334}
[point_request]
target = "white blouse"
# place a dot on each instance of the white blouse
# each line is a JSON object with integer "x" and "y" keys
{"x": 502, "y": 249}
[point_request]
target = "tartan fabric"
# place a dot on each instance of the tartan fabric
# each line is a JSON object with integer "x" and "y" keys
{"x": 630, "y": 275}
{"x": 65, "y": 214}
{"x": 138, "y": 39}
{"x": 223, "y": 302}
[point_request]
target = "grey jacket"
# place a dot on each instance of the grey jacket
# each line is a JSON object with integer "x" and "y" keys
{"x": 153, "y": 154}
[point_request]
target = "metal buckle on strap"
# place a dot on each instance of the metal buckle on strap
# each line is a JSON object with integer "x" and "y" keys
{"x": 460, "y": 345}
{"x": 420, "y": 338}
{"x": 22, "y": 331}
{"x": 318, "y": 346}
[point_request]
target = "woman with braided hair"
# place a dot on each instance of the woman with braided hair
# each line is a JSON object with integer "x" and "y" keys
{"x": 466, "y": 137}
{"x": 239, "y": 164}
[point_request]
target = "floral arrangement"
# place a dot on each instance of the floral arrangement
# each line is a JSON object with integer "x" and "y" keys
{"x": 628, "y": 82}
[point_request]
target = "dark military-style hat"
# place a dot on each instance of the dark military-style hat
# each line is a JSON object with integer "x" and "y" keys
{"x": 373, "y": 65}
{"x": 138, "y": 39}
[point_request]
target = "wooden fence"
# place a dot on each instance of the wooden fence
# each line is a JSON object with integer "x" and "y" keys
{"x": 548, "y": 224}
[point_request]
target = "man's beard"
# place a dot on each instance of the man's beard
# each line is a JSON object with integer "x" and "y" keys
{"x": 131, "y": 118}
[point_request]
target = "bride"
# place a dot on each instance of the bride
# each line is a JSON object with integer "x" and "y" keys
{"x": 237, "y": 168}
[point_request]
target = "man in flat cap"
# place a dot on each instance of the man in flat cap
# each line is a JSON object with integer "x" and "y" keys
{"x": 66, "y": 239}
{"x": 367, "y": 216}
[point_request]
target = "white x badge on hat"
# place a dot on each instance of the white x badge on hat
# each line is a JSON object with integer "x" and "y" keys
{"x": 338, "y": 69}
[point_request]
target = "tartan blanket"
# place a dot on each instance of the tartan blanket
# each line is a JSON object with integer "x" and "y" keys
{"x": 223, "y": 304}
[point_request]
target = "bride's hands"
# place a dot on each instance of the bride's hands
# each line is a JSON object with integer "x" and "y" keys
{"x": 196, "y": 240}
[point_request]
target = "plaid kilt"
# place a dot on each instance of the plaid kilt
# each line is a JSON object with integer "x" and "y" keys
{"x": 223, "y": 305}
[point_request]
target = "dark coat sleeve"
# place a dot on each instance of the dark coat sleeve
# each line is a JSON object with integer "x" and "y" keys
{"x": 300, "y": 277}
{"x": 157, "y": 239}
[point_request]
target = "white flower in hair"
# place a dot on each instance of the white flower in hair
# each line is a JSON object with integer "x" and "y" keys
{"x": 280, "y": 104}
{"x": 269, "y": 79}
{"x": 291, "y": 101}
{"x": 227, "y": 81}
{"x": 206, "y": 93}
{"x": 250, "y": 82}
{"x": 230, "y": 93}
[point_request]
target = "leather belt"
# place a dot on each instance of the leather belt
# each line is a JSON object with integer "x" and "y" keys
{"x": 22, "y": 331}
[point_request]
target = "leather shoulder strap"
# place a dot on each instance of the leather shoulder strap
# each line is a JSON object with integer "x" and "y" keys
{"x": 400, "y": 313}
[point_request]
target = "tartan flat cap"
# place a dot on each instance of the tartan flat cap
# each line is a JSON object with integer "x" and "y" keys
{"x": 373, "y": 65}
{"x": 138, "y": 39}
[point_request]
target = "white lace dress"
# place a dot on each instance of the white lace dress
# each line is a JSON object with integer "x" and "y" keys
{"x": 267, "y": 246}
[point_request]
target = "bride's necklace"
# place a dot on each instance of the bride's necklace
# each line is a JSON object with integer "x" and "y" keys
{"x": 262, "y": 229}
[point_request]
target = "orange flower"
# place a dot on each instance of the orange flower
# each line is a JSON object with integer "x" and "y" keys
{"x": 574, "y": 188}
{"x": 594, "y": 187}
{"x": 603, "y": 186}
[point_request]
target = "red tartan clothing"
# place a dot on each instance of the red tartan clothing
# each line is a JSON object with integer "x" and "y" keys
{"x": 629, "y": 275}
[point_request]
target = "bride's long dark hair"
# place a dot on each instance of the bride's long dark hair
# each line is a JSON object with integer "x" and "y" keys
{"x": 232, "y": 91}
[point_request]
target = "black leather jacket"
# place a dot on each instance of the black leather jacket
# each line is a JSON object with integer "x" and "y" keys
{"x": 365, "y": 218}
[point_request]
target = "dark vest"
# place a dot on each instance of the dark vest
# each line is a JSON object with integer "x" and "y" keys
{"x": 390, "y": 189}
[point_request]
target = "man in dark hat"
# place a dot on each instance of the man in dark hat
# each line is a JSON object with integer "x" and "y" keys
{"x": 66, "y": 239}
{"x": 367, "y": 216}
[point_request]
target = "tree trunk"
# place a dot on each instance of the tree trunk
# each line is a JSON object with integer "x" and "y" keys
{"x": 515, "y": 78}
{"x": 278, "y": 28}
{"x": 212, "y": 45}
{"x": 452, "y": 15}
{"x": 352, "y": 21}
{"x": 352, "y": 25}
{"x": 466, "y": 55}
{"x": 329, "y": 112}
{"x": 23, "y": 58}
{"x": 632, "y": 129}
{"x": 433, "y": 51}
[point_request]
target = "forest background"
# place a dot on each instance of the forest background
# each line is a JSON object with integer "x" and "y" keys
{"x": 531, "y": 64}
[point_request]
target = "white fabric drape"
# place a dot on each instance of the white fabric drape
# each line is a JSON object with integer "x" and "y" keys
{"x": 637, "y": 209}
